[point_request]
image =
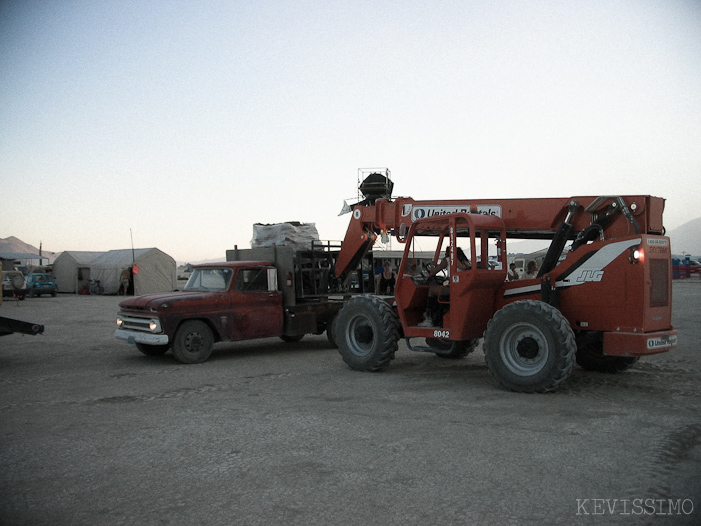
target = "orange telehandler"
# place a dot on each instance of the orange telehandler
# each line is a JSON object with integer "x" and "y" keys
{"x": 602, "y": 302}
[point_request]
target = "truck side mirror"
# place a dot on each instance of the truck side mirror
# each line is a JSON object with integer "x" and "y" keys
{"x": 272, "y": 280}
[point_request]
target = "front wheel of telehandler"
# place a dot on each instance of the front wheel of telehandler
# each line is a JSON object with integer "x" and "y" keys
{"x": 331, "y": 332}
{"x": 529, "y": 347}
{"x": 367, "y": 332}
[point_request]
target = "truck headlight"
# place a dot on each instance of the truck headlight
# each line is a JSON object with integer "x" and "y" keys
{"x": 120, "y": 322}
{"x": 154, "y": 326}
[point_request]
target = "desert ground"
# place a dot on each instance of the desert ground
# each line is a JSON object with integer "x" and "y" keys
{"x": 266, "y": 433}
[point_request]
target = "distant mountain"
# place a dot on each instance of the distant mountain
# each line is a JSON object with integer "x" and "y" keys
{"x": 12, "y": 244}
{"x": 687, "y": 238}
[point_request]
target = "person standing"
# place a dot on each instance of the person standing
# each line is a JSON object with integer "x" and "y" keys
{"x": 531, "y": 270}
{"x": 386, "y": 280}
{"x": 512, "y": 275}
{"x": 124, "y": 282}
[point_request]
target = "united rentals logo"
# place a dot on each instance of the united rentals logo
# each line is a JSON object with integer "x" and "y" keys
{"x": 422, "y": 212}
{"x": 662, "y": 342}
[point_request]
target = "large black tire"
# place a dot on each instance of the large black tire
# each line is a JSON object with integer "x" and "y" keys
{"x": 590, "y": 355}
{"x": 460, "y": 350}
{"x": 367, "y": 332}
{"x": 152, "y": 350}
{"x": 529, "y": 347}
{"x": 193, "y": 342}
{"x": 331, "y": 332}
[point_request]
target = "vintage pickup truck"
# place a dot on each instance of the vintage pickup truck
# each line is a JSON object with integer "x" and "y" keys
{"x": 240, "y": 299}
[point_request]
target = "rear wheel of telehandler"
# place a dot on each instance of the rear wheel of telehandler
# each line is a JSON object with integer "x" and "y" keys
{"x": 193, "y": 342}
{"x": 367, "y": 332}
{"x": 529, "y": 347}
{"x": 445, "y": 348}
{"x": 590, "y": 355}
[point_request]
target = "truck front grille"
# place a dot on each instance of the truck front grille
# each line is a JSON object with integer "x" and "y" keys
{"x": 136, "y": 324}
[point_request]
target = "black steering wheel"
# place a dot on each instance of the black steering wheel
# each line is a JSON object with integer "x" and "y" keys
{"x": 438, "y": 278}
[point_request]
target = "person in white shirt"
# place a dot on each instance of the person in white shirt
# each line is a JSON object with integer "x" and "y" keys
{"x": 531, "y": 270}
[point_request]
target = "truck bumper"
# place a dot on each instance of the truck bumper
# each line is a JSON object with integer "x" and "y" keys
{"x": 639, "y": 344}
{"x": 133, "y": 337}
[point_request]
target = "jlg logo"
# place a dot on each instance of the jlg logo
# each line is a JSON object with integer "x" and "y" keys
{"x": 590, "y": 275}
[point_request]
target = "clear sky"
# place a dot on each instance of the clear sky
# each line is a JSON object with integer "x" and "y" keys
{"x": 187, "y": 122}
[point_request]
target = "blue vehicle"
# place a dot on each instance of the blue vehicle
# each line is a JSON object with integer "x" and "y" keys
{"x": 41, "y": 283}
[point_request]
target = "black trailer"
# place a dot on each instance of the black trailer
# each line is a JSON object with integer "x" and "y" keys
{"x": 10, "y": 326}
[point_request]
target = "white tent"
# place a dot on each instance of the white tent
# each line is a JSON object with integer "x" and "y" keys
{"x": 72, "y": 270}
{"x": 155, "y": 271}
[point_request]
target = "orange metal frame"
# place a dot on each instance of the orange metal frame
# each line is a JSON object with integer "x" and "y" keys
{"x": 600, "y": 286}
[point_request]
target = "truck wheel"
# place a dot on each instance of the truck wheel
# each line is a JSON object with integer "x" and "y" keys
{"x": 529, "y": 347}
{"x": 443, "y": 347}
{"x": 291, "y": 339}
{"x": 590, "y": 355}
{"x": 367, "y": 331}
{"x": 152, "y": 350}
{"x": 193, "y": 342}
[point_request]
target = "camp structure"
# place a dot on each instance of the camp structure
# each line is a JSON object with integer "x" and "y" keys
{"x": 72, "y": 270}
{"x": 152, "y": 270}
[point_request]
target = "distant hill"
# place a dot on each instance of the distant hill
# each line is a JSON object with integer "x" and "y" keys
{"x": 12, "y": 244}
{"x": 687, "y": 238}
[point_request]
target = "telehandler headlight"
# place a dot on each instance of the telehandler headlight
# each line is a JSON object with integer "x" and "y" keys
{"x": 636, "y": 255}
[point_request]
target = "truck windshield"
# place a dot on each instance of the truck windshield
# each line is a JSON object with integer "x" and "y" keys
{"x": 216, "y": 279}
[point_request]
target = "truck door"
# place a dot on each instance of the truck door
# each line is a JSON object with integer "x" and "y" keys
{"x": 256, "y": 304}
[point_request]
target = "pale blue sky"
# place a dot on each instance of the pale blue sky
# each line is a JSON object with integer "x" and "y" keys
{"x": 187, "y": 122}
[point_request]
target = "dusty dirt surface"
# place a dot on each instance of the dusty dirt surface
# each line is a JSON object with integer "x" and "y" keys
{"x": 266, "y": 433}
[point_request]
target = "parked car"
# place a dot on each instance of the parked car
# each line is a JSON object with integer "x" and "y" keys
{"x": 14, "y": 284}
{"x": 41, "y": 283}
